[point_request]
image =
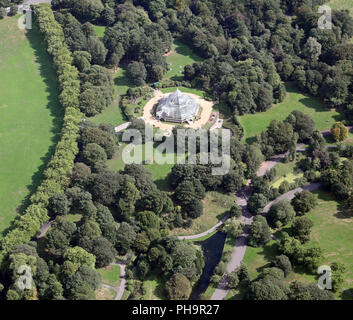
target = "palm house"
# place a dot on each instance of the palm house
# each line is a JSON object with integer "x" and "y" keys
{"x": 177, "y": 107}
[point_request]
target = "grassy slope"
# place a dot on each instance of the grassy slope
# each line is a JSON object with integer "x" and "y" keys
{"x": 332, "y": 231}
{"x": 256, "y": 123}
{"x": 114, "y": 114}
{"x": 215, "y": 206}
{"x": 30, "y": 115}
{"x": 180, "y": 56}
{"x": 159, "y": 172}
{"x": 341, "y": 4}
{"x": 110, "y": 275}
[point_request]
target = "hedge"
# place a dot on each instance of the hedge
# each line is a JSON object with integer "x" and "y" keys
{"x": 59, "y": 168}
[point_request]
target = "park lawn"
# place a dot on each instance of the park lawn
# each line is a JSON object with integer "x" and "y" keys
{"x": 342, "y": 5}
{"x": 215, "y": 206}
{"x": 30, "y": 116}
{"x": 104, "y": 293}
{"x": 160, "y": 172}
{"x": 114, "y": 114}
{"x": 179, "y": 56}
{"x": 99, "y": 30}
{"x": 154, "y": 287}
{"x": 110, "y": 275}
{"x": 254, "y": 124}
{"x": 290, "y": 177}
{"x": 333, "y": 229}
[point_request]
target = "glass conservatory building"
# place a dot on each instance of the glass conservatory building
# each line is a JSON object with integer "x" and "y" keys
{"x": 177, "y": 107}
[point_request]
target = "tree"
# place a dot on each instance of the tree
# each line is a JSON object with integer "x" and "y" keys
{"x": 104, "y": 187}
{"x": 301, "y": 228}
{"x": 82, "y": 60}
{"x": 103, "y": 251}
{"x": 303, "y": 202}
{"x": 338, "y": 270}
{"x": 281, "y": 213}
{"x": 233, "y": 280}
{"x": 312, "y": 49}
{"x": 253, "y": 157}
{"x": 148, "y": 220}
{"x": 97, "y": 50}
{"x": 137, "y": 73}
{"x": 80, "y": 172}
{"x": 282, "y": 262}
{"x": 93, "y": 153}
{"x": 188, "y": 190}
{"x": 87, "y": 10}
{"x": 234, "y": 227}
{"x": 301, "y": 291}
{"x": 142, "y": 242}
{"x": 265, "y": 289}
{"x": 126, "y": 236}
{"x": 257, "y": 202}
{"x": 302, "y": 124}
{"x": 260, "y": 232}
{"x": 178, "y": 287}
{"x": 3, "y": 13}
{"x": 143, "y": 178}
{"x": 235, "y": 211}
{"x": 58, "y": 205}
{"x": 108, "y": 16}
{"x": 80, "y": 257}
{"x": 194, "y": 208}
{"x": 339, "y": 131}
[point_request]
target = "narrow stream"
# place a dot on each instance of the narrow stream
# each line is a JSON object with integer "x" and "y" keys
{"x": 212, "y": 250}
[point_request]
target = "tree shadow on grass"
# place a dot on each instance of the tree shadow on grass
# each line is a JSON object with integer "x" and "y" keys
{"x": 269, "y": 252}
{"x": 48, "y": 74}
{"x": 185, "y": 50}
{"x": 343, "y": 212}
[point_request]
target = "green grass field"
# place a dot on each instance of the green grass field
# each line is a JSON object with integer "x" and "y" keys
{"x": 341, "y": 5}
{"x": 333, "y": 230}
{"x": 160, "y": 172}
{"x": 179, "y": 56}
{"x": 30, "y": 116}
{"x": 110, "y": 275}
{"x": 253, "y": 124}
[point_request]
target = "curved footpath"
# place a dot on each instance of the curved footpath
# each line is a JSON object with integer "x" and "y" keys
{"x": 121, "y": 288}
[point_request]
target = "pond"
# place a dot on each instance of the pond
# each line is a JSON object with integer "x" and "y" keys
{"x": 212, "y": 250}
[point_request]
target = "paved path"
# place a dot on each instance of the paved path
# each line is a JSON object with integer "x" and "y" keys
{"x": 121, "y": 288}
{"x": 205, "y": 233}
{"x": 122, "y": 127}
